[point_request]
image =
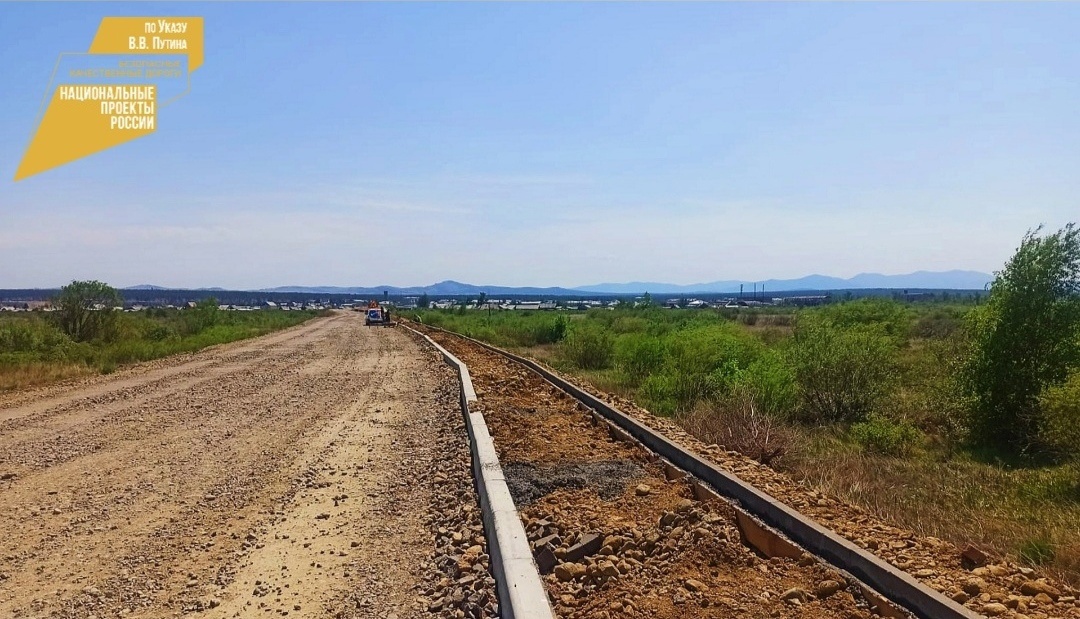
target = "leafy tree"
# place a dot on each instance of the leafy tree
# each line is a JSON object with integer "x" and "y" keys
{"x": 424, "y": 301}
{"x": 86, "y": 310}
{"x": 1024, "y": 340}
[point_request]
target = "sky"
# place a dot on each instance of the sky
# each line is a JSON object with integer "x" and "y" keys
{"x": 557, "y": 144}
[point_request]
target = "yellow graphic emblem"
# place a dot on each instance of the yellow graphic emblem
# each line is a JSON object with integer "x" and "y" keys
{"x": 111, "y": 94}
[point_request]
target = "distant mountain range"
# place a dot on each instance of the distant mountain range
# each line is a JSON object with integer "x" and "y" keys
{"x": 951, "y": 280}
{"x": 446, "y": 288}
{"x": 153, "y": 287}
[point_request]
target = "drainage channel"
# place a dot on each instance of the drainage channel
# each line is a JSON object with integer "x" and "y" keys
{"x": 772, "y": 529}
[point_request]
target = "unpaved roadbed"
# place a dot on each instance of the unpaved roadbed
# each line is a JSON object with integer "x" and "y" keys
{"x": 306, "y": 473}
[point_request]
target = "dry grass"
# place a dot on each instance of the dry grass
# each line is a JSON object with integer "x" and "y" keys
{"x": 739, "y": 426}
{"x": 957, "y": 498}
{"x": 36, "y": 374}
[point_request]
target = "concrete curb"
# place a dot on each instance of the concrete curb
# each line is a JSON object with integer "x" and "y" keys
{"x": 898, "y": 586}
{"x": 517, "y": 580}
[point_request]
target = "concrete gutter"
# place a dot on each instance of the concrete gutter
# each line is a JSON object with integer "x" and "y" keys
{"x": 517, "y": 580}
{"x": 895, "y": 584}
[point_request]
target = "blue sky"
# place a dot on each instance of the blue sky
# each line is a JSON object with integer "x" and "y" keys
{"x": 557, "y": 144}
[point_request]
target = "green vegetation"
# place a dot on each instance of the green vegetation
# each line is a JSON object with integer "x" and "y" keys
{"x": 957, "y": 420}
{"x": 77, "y": 315}
{"x": 86, "y": 335}
{"x": 1024, "y": 341}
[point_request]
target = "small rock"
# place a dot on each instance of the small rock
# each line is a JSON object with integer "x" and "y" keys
{"x": 1043, "y": 598}
{"x": 974, "y": 586}
{"x": 972, "y": 557}
{"x": 994, "y": 609}
{"x": 643, "y": 490}
{"x": 1035, "y": 587}
{"x": 826, "y": 588}
{"x": 694, "y": 585}
{"x": 795, "y": 593}
{"x": 569, "y": 571}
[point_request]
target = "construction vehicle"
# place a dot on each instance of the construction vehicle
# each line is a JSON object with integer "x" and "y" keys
{"x": 376, "y": 315}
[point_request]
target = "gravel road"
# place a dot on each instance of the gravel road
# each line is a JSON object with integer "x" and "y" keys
{"x": 308, "y": 473}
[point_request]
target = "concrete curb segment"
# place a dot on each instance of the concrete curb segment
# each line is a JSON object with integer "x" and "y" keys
{"x": 898, "y": 586}
{"x": 517, "y": 580}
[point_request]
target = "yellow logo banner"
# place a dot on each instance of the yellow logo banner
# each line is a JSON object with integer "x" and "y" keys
{"x": 112, "y": 94}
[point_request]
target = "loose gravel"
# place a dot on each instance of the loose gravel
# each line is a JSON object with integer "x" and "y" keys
{"x": 528, "y": 482}
{"x": 308, "y": 473}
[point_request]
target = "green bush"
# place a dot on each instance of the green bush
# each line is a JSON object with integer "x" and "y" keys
{"x": 941, "y": 323}
{"x": 588, "y": 347}
{"x": 548, "y": 330}
{"x": 638, "y": 356}
{"x": 883, "y": 315}
{"x": 85, "y": 310}
{"x": 770, "y": 381}
{"x": 843, "y": 373}
{"x": 703, "y": 350}
{"x": 661, "y": 393}
{"x": 1060, "y": 429}
{"x": 34, "y": 338}
{"x": 885, "y": 436}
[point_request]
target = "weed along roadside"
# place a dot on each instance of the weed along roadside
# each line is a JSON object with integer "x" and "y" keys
{"x": 88, "y": 334}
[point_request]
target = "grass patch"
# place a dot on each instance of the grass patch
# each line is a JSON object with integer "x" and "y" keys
{"x": 34, "y": 351}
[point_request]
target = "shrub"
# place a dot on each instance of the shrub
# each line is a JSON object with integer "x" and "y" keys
{"x": 160, "y": 332}
{"x": 204, "y": 315}
{"x": 939, "y": 324}
{"x": 638, "y": 356}
{"x": 842, "y": 372}
{"x": 737, "y": 424}
{"x": 703, "y": 350}
{"x": 630, "y": 324}
{"x": 660, "y": 393}
{"x": 885, "y": 436}
{"x": 33, "y": 337}
{"x": 883, "y": 315}
{"x": 588, "y": 347}
{"x": 771, "y": 382}
{"x": 1059, "y": 433}
{"x": 548, "y": 330}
